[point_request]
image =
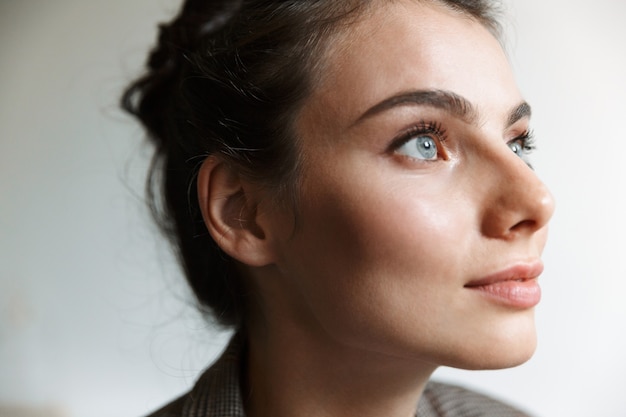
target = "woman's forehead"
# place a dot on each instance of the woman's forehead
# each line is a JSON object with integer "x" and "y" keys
{"x": 408, "y": 45}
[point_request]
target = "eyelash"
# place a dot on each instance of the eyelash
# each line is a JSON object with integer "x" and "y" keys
{"x": 526, "y": 142}
{"x": 433, "y": 129}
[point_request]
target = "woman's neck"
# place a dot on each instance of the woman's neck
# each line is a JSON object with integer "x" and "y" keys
{"x": 292, "y": 372}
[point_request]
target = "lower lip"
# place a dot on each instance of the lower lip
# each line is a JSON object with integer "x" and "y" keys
{"x": 516, "y": 294}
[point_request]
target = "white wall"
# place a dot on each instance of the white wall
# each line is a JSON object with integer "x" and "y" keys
{"x": 93, "y": 315}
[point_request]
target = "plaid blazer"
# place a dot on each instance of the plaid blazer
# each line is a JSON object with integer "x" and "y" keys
{"x": 217, "y": 394}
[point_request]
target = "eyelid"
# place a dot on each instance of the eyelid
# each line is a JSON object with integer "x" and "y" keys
{"x": 527, "y": 137}
{"x": 433, "y": 129}
{"x": 518, "y": 129}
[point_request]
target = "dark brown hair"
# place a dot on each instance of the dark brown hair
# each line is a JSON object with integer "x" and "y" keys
{"x": 227, "y": 78}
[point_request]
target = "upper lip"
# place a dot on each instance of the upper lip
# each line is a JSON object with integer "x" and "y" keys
{"x": 520, "y": 271}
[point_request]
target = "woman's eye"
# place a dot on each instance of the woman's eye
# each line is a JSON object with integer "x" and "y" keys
{"x": 523, "y": 146}
{"x": 517, "y": 147}
{"x": 422, "y": 147}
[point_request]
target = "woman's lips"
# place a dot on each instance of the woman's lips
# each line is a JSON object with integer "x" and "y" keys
{"x": 515, "y": 286}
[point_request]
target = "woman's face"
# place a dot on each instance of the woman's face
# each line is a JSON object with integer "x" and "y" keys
{"x": 415, "y": 194}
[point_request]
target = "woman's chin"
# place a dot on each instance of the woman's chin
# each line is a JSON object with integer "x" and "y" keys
{"x": 499, "y": 352}
{"x": 502, "y": 359}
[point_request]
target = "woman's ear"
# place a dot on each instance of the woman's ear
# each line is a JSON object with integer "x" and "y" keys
{"x": 230, "y": 211}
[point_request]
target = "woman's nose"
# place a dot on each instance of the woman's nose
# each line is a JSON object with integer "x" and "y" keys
{"x": 518, "y": 202}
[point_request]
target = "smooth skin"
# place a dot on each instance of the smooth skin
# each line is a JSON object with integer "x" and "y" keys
{"x": 362, "y": 294}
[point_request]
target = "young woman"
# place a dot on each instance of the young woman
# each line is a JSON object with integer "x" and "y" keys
{"x": 347, "y": 185}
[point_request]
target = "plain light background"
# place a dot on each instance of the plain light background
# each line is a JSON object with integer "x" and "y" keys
{"x": 94, "y": 317}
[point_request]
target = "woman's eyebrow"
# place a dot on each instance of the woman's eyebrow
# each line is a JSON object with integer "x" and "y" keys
{"x": 448, "y": 101}
{"x": 521, "y": 111}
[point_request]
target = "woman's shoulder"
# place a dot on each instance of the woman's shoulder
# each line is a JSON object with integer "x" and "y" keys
{"x": 445, "y": 400}
{"x": 173, "y": 409}
{"x": 216, "y": 392}
{"x": 438, "y": 400}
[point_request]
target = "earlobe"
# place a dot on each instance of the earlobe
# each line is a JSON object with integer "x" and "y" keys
{"x": 230, "y": 212}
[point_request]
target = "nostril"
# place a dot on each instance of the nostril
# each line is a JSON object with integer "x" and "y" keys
{"x": 525, "y": 224}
